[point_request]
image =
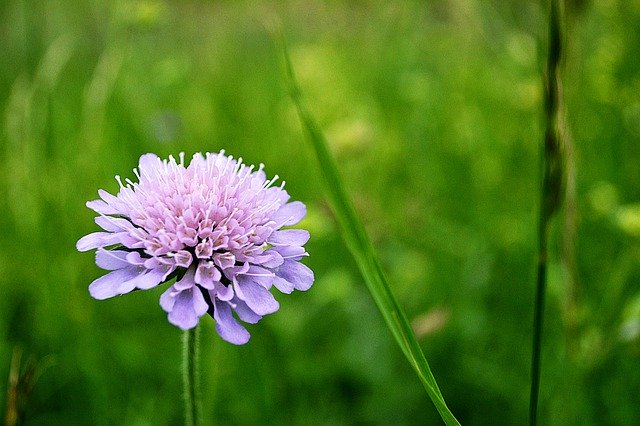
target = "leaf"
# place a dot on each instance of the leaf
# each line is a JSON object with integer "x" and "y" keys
{"x": 362, "y": 250}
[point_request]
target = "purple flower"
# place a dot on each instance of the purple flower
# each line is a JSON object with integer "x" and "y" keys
{"x": 214, "y": 226}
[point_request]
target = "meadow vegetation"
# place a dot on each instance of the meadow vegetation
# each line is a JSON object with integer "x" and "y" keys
{"x": 433, "y": 112}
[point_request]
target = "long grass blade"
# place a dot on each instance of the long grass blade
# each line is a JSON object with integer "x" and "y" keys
{"x": 361, "y": 248}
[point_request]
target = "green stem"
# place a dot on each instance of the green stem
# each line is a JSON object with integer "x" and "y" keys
{"x": 190, "y": 377}
{"x": 538, "y": 316}
{"x": 551, "y": 193}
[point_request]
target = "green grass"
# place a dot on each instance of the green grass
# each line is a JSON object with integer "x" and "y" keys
{"x": 433, "y": 114}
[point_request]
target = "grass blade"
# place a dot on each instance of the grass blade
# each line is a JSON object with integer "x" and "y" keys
{"x": 363, "y": 252}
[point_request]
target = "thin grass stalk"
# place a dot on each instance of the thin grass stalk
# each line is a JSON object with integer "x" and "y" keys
{"x": 362, "y": 250}
{"x": 570, "y": 216}
{"x": 190, "y": 376}
{"x": 551, "y": 193}
{"x": 13, "y": 414}
{"x": 22, "y": 380}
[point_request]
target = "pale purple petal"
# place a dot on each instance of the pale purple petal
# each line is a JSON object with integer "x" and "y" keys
{"x": 262, "y": 276}
{"x": 134, "y": 258}
{"x": 147, "y": 164}
{"x": 113, "y": 224}
{"x": 187, "y": 281}
{"x": 111, "y": 259}
{"x": 255, "y": 296}
{"x": 183, "y": 258}
{"x": 130, "y": 241}
{"x": 167, "y": 299}
{"x": 283, "y": 285}
{"x": 183, "y": 315}
{"x": 279, "y": 194}
{"x": 207, "y": 275}
{"x": 185, "y": 308}
{"x": 269, "y": 259}
{"x": 150, "y": 279}
{"x": 200, "y": 305}
{"x": 224, "y": 260}
{"x": 224, "y": 292}
{"x": 101, "y": 207}
{"x": 110, "y": 199}
{"x": 290, "y": 214}
{"x": 109, "y": 285}
{"x": 154, "y": 262}
{"x": 227, "y": 326}
{"x": 299, "y": 275}
{"x": 291, "y": 252}
{"x": 245, "y": 313}
{"x": 231, "y": 273}
{"x": 96, "y": 240}
{"x": 289, "y": 237}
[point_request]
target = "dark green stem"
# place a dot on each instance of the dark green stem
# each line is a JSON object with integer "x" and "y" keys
{"x": 551, "y": 193}
{"x": 538, "y": 316}
{"x": 190, "y": 377}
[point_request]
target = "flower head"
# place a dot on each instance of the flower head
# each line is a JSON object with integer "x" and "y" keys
{"x": 213, "y": 225}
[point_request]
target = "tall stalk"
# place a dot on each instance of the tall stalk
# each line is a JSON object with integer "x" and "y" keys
{"x": 190, "y": 377}
{"x": 552, "y": 187}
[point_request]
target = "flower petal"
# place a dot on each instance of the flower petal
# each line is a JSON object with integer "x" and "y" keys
{"x": 97, "y": 239}
{"x": 110, "y": 199}
{"x": 187, "y": 281}
{"x": 299, "y": 275}
{"x": 245, "y": 313}
{"x": 184, "y": 307}
{"x": 269, "y": 259}
{"x": 291, "y": 252}
{"x": 255, "y": 296}
{"x": 227, "y": 326}
{"x": 283, "y": 285}
{"x": 111, "y": 259}
{"x": 109, "y": 285}
{"x": 150, "y": 279}
{"x": 183, "y": 258}
{"x": 182, "y": 314}
{"x": 113, "y": 224}
{"x": 230, "y": 273}
{"x": 262, "y": 276}
{"x": 289, "y": 237}
{"x": 99, "y": 206}
{"x": 223, "y": 292}
{"x": 224, "y": 260}
{"x": 147, "y": 164}
{"x": 289, "y": 214}
{"x": 134, "y": 258}
{"x": 200, "y": 305}
{"x": 167, "y": 299}
{"x": 207, "y": 274}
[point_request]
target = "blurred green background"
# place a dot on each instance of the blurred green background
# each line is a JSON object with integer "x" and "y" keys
{"x": 433, "y": 111}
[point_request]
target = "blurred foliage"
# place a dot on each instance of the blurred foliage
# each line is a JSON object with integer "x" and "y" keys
{"x": 433, "y": 112}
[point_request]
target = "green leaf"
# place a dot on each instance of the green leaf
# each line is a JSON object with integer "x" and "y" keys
{"x": 362, "y": 250}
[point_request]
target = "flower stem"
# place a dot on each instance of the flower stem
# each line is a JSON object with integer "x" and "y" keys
{"x": 190, "y": 377}
{"x": 553, "y": 164}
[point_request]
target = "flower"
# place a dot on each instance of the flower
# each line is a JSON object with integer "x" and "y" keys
{"x": 214, "y": 226}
